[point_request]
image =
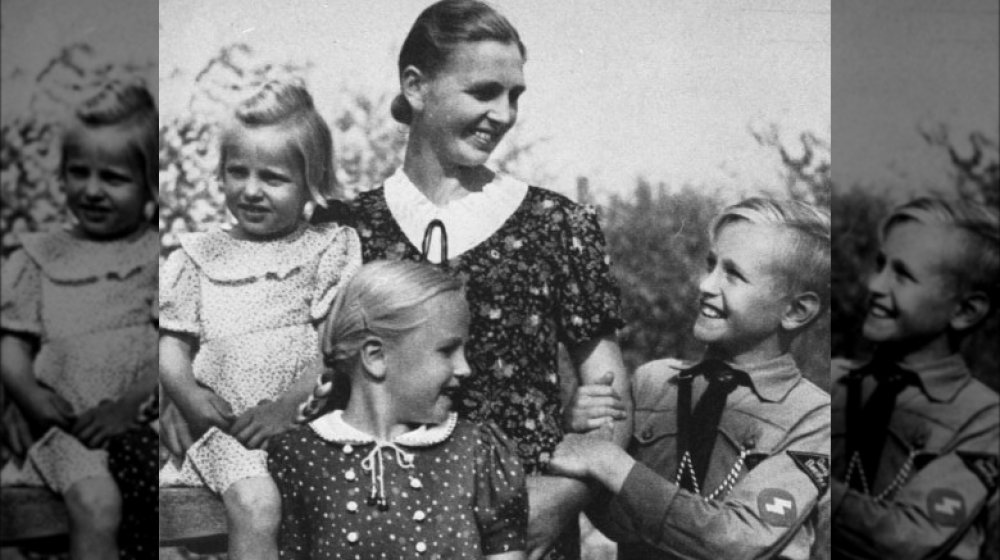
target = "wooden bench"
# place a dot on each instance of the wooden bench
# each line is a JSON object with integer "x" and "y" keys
{"x": 193, "y": 518}
{"x": 33, "y": 518}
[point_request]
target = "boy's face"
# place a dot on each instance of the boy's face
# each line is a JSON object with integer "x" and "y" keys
{"x": 743, "y": 297}
{"x": 912, "y": 294}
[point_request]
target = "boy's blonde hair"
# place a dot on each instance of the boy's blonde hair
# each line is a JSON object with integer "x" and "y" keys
{"x": 289, "y": 106}
{"x": 980, "y": 225}
{"x": 383, "y": 299}
{"x": 807, "y": 266}
{"x": 130, "y": 106}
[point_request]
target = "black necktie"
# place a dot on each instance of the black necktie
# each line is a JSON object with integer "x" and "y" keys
{"x": 698, "y": 428}
{"x": 870, "y": 426}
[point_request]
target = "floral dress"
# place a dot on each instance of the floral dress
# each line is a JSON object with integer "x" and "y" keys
{"x": 252, "y": 305}
{"x": 89, "y": 304}
{"x": 540, "y": 279}
{"x": 454, "y": 490}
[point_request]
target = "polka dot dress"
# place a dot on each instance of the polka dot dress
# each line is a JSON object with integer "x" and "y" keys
{"x": 252, "y": 305}
{"x": 133, "y": 458}
{"x": 454, "y": 491}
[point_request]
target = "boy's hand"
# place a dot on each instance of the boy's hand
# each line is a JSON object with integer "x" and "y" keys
{"x": 259, "y": 424}
{"x": 594, "y": 406}
{"x": 592, "y": 455}
{"x": 204, "y": 409}
{"x": 14, "y": 431}
{"x": 108, "y": 419}
{"x": 43, "y": 409}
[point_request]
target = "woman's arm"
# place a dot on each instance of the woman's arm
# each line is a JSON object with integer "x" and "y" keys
{"x": 554, "y": 502}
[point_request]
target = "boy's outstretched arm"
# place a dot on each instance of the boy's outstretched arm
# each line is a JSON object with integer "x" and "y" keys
{"x": 931, "y": 513}
{"x": 757, "y": 519}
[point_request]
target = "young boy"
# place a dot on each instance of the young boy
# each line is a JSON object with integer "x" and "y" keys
{"x": 729, "y": 457}
{"x": 915, "y": 437}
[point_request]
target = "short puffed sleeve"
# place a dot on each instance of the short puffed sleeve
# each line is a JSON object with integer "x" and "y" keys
{"x": 21, "y": 295}
{"x": 337, "y": 265}
{"x": 589, "y": 300}
{"x": 501, "y": 503}
{"x": 180, "y": 301}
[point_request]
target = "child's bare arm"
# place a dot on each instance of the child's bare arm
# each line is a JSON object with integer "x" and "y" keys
{"x": 272, "y": 418}
{"x": 515, "y": 555}
{"x": 199, "y": 406}
{"x": 41, "y": 406}
{"x": 113, "y": 417}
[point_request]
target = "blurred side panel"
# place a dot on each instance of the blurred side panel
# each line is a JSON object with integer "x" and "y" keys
{"x": 78, "y": 246}
{"x": 916, "y": 417}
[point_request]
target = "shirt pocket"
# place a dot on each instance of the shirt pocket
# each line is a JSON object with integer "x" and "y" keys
{"x": 654, "y": 441}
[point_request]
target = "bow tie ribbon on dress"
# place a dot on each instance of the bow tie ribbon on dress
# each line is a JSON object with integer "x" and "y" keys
{"x": 373, "y": 463}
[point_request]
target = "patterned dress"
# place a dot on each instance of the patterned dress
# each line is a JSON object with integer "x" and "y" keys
{"x": 542, "y": 278}
{"x": 455, "y": 490}
{"x": 253, "y": 307}
{"x": 89, "y": 305}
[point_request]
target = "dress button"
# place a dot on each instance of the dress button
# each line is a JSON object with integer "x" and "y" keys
{"x": 415, "y": 483}
{"x": 348, "y": 449}
{"x": 419, "y": 516}
{"x": 350, "y": 474}
{"x": 421, "y": 547}
{"x": 352, "y": 537}
{"x": 352, "y": 506}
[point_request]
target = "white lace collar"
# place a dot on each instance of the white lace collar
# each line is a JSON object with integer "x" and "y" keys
{"x": 468, "y": 221}
{"x": 332, "y": 427}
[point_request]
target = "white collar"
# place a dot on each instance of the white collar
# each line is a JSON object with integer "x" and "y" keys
{"x": 332, "y": 427}
{"x": 468, "y": 221}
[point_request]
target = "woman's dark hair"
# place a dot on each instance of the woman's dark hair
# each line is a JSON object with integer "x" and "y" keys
{"x": 439, "y": 29}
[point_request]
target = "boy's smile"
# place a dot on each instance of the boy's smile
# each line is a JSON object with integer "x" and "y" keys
{"x": 742, "y": 298}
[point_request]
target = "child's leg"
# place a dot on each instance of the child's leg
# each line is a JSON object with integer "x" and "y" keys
{"x": 253, "y": 510}
{"x": 94, "y": 506}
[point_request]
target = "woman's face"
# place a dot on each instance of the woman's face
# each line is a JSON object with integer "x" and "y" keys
{"x": 105, "y": 189}
{"x": 467, "y": 106}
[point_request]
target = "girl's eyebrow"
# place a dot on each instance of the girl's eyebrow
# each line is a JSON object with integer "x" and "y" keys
{"x": 450, "y": 342}
{"x": 730, "y": 266}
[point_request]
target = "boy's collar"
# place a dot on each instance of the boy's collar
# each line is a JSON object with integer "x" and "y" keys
{"x": 940, "y": 378}
{"x": 332, "y": 427}
{"x": 771, "y": 379}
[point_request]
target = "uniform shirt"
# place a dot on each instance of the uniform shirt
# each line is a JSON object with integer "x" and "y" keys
{"x": 780, "y": 425}
{"x": 936, "y": 473}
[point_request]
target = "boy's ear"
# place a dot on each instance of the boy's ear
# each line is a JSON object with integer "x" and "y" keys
{"x": 801, "y": 310}
{"x": 972, "y": 309}
{"x": 413, "y": 83}
{"x": 373, "y": 357}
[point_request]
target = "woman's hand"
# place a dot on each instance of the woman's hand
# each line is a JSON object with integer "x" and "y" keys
{"x": 44, "y": 409}
{"x": 203, "y": 409}
{"x": 255, "y": 427}
{"x": 108, "y": 419}
{"x": 594, "y": 406}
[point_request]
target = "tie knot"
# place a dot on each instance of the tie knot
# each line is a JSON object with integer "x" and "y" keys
{"x": 896, "y": 377}
{"x": 717, "y": 372}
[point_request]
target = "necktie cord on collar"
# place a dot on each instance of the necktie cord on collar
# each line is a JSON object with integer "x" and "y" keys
{"x": 425, "y": 247}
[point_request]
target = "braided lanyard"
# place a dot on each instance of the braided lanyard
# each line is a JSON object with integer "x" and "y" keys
{"x": 425, "y": 247}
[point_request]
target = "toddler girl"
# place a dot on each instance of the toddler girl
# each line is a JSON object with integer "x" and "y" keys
{"x": 78, "y": 342}
{"x": 396, "y": 474}
{"x": 238, "y": 307}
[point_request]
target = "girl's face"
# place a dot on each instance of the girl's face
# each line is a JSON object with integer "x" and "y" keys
{"x": 425, "y": 366}
{"x": 470, "y": 103}
{"x": 105, "y": 189}
{"x": 264, "y": 184}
